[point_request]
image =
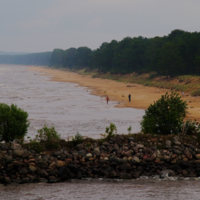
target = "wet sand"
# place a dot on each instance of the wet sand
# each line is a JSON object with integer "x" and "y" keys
{"x": 141, "y": 96}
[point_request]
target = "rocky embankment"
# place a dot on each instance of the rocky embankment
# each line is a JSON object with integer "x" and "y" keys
{"x": 112, "y": 159}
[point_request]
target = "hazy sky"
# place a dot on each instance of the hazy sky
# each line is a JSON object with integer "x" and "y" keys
{"x": 42, "y": 25}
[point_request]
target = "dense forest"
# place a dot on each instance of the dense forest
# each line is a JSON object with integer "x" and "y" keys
{"x": 172, "y": 55}
{"x": 175, "y": 54}
{"x": 27, "y": 59}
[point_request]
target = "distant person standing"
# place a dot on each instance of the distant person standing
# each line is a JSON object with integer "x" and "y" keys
{"x": 183, "y": 94}
{"x": 107, "y": 99}
{"x": 129, "y": 97}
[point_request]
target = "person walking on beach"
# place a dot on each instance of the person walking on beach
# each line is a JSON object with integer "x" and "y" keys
{"x": 129, "y": 97}
{"x": 107, "y": 99}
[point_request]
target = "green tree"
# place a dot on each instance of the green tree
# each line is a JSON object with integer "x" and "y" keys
{"x": 165, "y": 116}
{"x": 13, "y": 122}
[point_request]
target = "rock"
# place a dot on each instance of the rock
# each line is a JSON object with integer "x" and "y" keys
{"x": 166, "y": 173}
{"x": 125, "y": 176}
{"x": 112, "y": 174}
{"x": 15, "y": 146}
{"x": 63, "y": 173}
{"x": 7, "y": 180}
{"x": 125, "y": 167}
{"x": 23, "y": 171}
{"x": 106, "y": 144}
{"x": 57, "y": 153}
{"x": 79, "y": 147}
{"x": 18, "y": 153}
{"x": 116, "y": 147}
{"x": 4, "y": 146}
{"x": 135, "y": 160}
{"x": 198, "y": 156}
{"x": 177, "y": 142}
{"x": 73, "y": 168}
{"x": 82, "y": 152}
{"x": 184, "y": 172}
{"x": 96, "y": 151}
{"x": 8, "y": 159}
{"x": 43, "y": 180}
{"x": 88, "y": 155}
{"x": 168, "y": 143}
{"x": 60, "y": 163}
{"x": 187, "y": 153}
{"x": 135, "y": 175}
{"x": 43, "y": 173}
{"x": 131, "y": 139}
{"x": 32, "y": 168}
{"x": 176, "y": 138}
{"x": 25, "y": 180}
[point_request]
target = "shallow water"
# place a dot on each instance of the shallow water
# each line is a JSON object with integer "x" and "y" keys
{"x": 69, "y": 108}
{"x": 97, "y": 189}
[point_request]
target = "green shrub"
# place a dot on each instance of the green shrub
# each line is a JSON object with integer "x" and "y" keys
{"x": 196, "y": 93}
{"x": 13, "y": 123}
{"x": 46, "y": 138}
{"x": 110, "y": 130}
{"x": 47, "y": 134}
{"x": 129, "y": 130}
{"x": 77, "y": 137}
{"x": 165, "y": 116}
{"x": 190, "y": 128}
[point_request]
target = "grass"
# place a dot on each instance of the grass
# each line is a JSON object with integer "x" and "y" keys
{"x": 186, "y": 83}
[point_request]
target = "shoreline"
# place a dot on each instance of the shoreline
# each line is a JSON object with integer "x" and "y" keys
{"x": 141, "y": 96}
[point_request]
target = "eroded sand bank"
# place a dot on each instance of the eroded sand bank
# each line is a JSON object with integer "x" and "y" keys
{"x": 141, "y": 96}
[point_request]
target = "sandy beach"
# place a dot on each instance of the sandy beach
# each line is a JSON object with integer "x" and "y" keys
{"x": 141, "y": 96}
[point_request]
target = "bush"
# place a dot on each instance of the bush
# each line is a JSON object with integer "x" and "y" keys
{"x": 46, "y": 138}
{"x": 77, "y": 137}
{"x": 165, "y": 116}
{"x": 110, "y": 130}
{"x": 47, "y": 134}
{"x": 13, "y": 123}
{"x": 196, "y": 93}
{"x": 191, "y": 128}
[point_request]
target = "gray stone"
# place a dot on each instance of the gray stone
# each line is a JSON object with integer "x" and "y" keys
{"x": 79, "y": 147}
{"x": 82, "y": 152}
{"x": 88, "y": 155}
{"x": 116, "y": 147}
{"x": 7, "y": 180}
{"x": 23, "y": 171}
{"x": 166, "y": 173}
{"x": 43, "y": 180}
{"x": 125, "y": 176}
{"x": 177, "y": 143}
{"x": 57, "y": 153}
{"x": 15, "y": 146}
{"x": 125, "y": 167}
{"x": 135, "y": 160}
{"x": 131, "y": 139}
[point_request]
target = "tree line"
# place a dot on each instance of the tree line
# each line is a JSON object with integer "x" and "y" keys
{"x": 175, "y": 54}
{"x": 27, "y": 59}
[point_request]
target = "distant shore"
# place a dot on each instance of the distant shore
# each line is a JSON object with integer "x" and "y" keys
{"x": 141, "y": 96}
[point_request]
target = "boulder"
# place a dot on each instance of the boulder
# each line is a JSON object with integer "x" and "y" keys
{"x": 125, "y": 176}
{"x": 79, "y": 147}
{"x": 63, "y": 173}
{"x": 166, "y": 173}
{"x": 15, "y": 146}
{"x": 60, "y": 163}
{"x": 32, "y": 168}
{"x": 187, "y": 153}
{"x": 135, "y": 160}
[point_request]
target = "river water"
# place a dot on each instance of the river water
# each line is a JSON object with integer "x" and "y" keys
{"x": 69, "y": 108}
{"x": 72, "y": 109}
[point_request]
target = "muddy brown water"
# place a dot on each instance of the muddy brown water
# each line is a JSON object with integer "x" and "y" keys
{"x": 98, "y": 189}
{"x": 69, "y": 108}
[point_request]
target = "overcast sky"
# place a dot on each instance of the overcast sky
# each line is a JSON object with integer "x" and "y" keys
{"x": 42, "y": 25}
